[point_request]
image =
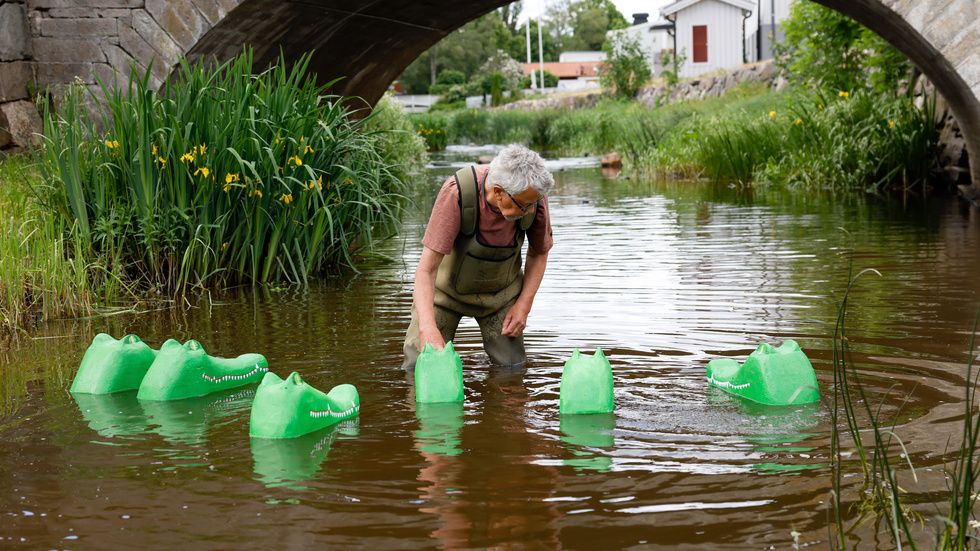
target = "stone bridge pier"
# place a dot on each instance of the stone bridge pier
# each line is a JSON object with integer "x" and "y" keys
{"x": 46, "y": 43}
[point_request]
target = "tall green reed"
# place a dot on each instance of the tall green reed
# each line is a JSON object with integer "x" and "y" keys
{"x": 876, "y": 443}
{"x": 225, "y": 176}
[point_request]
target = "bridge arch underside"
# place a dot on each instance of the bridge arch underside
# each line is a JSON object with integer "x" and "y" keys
{"x": 367, "y": 44}
{"x": 370, "y": 43}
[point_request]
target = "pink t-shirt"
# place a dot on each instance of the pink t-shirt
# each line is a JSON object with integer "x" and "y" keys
{"x": 494, "y": 229}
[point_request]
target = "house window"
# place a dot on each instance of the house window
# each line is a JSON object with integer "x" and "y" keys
{"x": 700, "y": 44}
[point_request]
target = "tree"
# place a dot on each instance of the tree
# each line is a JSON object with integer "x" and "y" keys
{"x": 823, "y": 48}
{"x": 582, "y": 24}
{"x": 626, "y": 68}
{"x": 509, "y": 68}
{"x": 509, "y": 15}
{"x": 464, "y": 50}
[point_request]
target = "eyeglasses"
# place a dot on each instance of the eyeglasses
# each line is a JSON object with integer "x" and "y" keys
{"x": 523, "y": 209}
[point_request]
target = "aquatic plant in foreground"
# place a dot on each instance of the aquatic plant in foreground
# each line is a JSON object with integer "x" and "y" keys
{"x": 882, "y": 495}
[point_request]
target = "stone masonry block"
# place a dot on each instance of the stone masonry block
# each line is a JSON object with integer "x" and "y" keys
{"x": 15, "y": 32}
{"x": 63, "y": 73}
{"x": 5, "y": 136}
{"x": 119, "y": 60}
{"x": 167, "y": 50}
{"x": 23, "y": 123}
{"x": 88, "y": 13}
{"x": 14, "y": 77}
{"x": 101, "y": 4}
{"x": 213, "y": 10}
{"x": 81, "y": 27}
{"x": 180, "y": 19}
{"x": 68, "y": 50}
{"x": 226, "y": 7}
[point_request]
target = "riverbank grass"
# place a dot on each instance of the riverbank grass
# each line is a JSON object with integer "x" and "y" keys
{"x": 41, "y": 277}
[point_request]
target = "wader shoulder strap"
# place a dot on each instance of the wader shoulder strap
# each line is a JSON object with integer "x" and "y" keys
{"x": 468, "y": 206}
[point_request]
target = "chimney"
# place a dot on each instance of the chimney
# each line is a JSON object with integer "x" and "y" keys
{"x": 640, "y": 18}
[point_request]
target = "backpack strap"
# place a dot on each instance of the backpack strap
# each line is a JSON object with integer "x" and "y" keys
{"x": 468, "y": 206}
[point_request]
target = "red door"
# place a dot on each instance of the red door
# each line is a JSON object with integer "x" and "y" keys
{"x": 700, "y": 44}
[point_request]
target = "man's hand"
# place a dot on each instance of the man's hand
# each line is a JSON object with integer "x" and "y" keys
{"x": 516, "y": 320}
{"x": 433, "y": 337}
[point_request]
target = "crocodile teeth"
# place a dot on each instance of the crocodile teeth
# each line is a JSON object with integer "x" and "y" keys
{"x": 235, "y": 377}
{"x": 727, "y": 384}
{"x": 330, "y": 413}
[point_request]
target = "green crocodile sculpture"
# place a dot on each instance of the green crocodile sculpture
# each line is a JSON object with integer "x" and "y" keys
{"x": 111, "y": 365}
{"x": 185, "y": 370}
{"x": 586, "y": 384}
{"x": 290, "y": 408}
{"x": 438, "y": 375}
{"x": 774, "y": 376}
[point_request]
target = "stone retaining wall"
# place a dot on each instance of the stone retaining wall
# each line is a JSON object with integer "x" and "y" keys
{"x": 19, "y": 120}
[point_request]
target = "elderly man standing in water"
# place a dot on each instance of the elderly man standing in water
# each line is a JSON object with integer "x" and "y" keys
{"x": 471, "y": 256}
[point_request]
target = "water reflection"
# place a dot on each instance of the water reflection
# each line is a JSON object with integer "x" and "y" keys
{"x": 483, "y": 484}
{"x": 288, "y": 462}
{"x": 585, "y": 433}
{"x": 439, "y": 426}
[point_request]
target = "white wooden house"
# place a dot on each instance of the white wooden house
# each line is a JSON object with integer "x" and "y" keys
{"x": 709, "y": 32}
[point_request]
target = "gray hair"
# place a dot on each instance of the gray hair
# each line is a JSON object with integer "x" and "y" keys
{"x": 517, "y": 168}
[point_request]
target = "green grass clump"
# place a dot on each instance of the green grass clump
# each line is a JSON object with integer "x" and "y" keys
{"x": 224, "y": 177}
{"x": 849, "y": 140}
{"x": 41, "y": 277}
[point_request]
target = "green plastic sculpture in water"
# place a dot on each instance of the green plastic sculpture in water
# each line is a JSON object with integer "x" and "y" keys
{"x": 774, "y": 376}
{"x": 185, "y": 370}
{"x": 111, "y": 365}
{"x": 290, "y": 408}
{"x": 438, "y": 375}
{"x": 586, "y": 384}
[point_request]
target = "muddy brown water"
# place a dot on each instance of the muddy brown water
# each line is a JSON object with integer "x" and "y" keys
{"x": 662, "y": 276}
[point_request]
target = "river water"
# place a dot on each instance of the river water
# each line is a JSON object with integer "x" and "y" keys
{"x": 663, "y": 276}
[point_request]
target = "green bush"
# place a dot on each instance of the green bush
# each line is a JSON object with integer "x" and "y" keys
{"x": 397, "y": 141}
{"x": 626, "y": 68}
{"x": 550, "y": 80}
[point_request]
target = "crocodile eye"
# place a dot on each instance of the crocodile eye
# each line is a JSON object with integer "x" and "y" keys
{"x": 131, "y": 339}
{"x": 295, "y": 379}
{"x": 192, "y": 345}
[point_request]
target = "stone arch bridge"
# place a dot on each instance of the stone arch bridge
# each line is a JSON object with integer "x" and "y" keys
{"x": 49, "y": 42}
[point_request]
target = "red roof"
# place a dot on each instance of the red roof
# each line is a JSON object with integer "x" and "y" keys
{"x": 564, "y": 70}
